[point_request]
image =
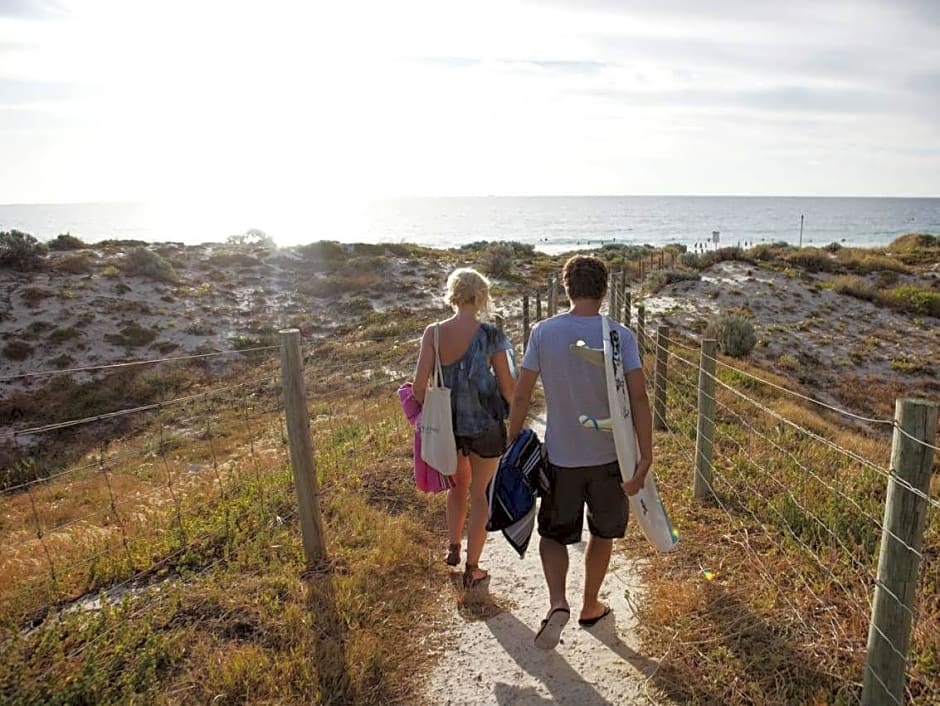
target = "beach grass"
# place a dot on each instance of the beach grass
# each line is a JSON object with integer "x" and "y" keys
{"x": 165, "y": 565}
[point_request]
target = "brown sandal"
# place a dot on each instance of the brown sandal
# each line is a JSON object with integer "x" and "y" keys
{"x": 469, "y": 581}
{"x": 453, "y": 555}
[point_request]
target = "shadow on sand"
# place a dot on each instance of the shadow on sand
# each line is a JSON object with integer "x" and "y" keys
{"x": 563, "y": 682}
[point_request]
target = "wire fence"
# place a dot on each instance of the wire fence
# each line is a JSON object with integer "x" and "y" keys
{"x": 132, "y": 509}
{"x": 816, "y": 506}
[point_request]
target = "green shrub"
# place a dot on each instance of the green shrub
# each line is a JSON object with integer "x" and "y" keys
{"x": 33, "y": 295}
{"x": 66, "y": 241}
{"x": 869, "y": 263}
{"x": 21, "y": 251}
{"x": 915, "y": 299}
{"x": 832, "y": 247}
{"x": 74, "y": 264}
{"x": 854, "y": 287}
{"x": 813, "y": 260}
{"x": 62, "y": 361}
{"x": 17, "y": 350}
{"x": 735, "y": 335}
{"x": 132, "y": 336}
{"x": 914, "y": 241}
{"x": 146, "y": 263}
{"x": 61, "y": 335}
{"x": 706, "y": 260}
{"x": 323, "y": 253}
{"x": 661, "y": 278}
{"x": 496, "y": 260}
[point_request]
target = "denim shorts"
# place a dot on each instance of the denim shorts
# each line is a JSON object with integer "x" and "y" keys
{"x": 561, "y": 514}
{"x": 489, "y": 444}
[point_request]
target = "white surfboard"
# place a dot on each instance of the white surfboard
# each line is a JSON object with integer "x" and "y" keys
{"x": 646, "y": 505}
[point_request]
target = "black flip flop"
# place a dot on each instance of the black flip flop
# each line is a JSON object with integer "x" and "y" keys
{"x": 550, "y": 632}
{"x": 591, "y": 622}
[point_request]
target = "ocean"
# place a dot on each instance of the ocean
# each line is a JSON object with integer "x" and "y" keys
{"x": 550, "y": 223}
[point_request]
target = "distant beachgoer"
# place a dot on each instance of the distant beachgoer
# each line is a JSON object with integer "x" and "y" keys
{"x": 476, "y": 368}
{"x": 582, "y": 465}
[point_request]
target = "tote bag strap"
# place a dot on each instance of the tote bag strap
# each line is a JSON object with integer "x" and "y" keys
{"x": 438, "y": 373}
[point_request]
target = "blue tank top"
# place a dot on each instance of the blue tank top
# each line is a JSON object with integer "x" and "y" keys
{"x": 475, "y": 399}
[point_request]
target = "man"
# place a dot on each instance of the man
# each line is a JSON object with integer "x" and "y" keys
{"x": 582, "y": 463}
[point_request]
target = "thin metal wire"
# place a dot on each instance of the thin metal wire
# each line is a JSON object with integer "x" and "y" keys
{"x": 124, "y": 412}
{"x": 788, "y": 391}
{"x": 112, "y": 366}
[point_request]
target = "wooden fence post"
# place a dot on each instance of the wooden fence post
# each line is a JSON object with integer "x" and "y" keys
{"x": 659, "y": 403}
{"x": 538, "y": 306}
{"x": 301, "y": 448}
{"x": 612, "y": 296}
{"x": 705, "y": 430}
{"x": 525, "y": 322}
{"x": 641, "y": 328}
{"x": 889, "y": 633}
{"x": 626, "y": 308}
{"x": 552, "y": 296}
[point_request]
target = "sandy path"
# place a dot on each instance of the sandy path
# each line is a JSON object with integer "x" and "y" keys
{"x": 493, "y": 659}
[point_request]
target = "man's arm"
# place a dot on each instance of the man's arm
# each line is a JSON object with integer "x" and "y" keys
{"x": 521, "y": 398}
{"x": 643, "y": 424}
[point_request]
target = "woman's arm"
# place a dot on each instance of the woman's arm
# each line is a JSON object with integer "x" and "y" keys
{"x": 500, "y": 363}
{"x": 521, "y": 399}
{"x": 425, "y": 364}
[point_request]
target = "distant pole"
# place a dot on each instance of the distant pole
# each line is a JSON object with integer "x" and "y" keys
{"x": 801, "y": 230}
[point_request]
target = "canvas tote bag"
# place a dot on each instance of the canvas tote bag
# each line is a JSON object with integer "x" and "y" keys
{"x": 438, "y": 447}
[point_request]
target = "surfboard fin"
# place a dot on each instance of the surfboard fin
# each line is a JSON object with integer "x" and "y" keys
{"x": 595, "y": 356}
{"x": 594, "y": 423}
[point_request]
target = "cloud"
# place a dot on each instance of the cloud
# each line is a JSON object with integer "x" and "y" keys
{"x": 33, "y": 9}
{"x": 15, "y": 92}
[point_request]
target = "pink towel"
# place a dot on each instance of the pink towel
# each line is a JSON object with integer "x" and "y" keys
{"x": 428, "y": 479}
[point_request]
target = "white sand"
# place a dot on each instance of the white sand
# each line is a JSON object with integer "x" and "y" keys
{"x": 494, "y": 660}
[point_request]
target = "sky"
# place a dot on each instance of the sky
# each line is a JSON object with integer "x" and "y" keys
{"x": 108, "y": 100}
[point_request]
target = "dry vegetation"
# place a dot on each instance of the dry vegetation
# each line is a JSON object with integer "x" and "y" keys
{"x": 161, "y": 561}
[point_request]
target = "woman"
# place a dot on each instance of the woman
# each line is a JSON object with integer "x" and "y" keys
{"x": 476, "y": 369}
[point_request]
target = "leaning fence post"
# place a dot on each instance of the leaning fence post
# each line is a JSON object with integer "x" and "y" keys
{"x": 525, "y": 322}
{"x": 705, "y": 430}
{"x": 889, "y": 633}
{"x": 538, "y": 306}
{"x": 301, "y": 448}
{"x": 626, "y": 307}
{"x": 552, "y": 296}
{"x": 659, "y": 403}
{"x": 641, "y": 328}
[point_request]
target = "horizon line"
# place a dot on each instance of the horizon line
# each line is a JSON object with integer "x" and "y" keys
{"x": 511, "y": 196}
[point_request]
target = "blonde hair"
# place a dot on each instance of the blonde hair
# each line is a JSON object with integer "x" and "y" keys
{"x": 467, "y": 286}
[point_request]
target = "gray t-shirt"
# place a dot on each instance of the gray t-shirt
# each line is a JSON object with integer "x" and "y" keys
{"x": 574, "y": 386}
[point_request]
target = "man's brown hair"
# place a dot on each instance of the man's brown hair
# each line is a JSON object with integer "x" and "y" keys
{"x": 585, "y": 277}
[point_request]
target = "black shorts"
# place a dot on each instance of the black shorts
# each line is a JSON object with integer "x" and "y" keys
{"x": 561, "y": 514}
{"x": 489, "y": 444}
